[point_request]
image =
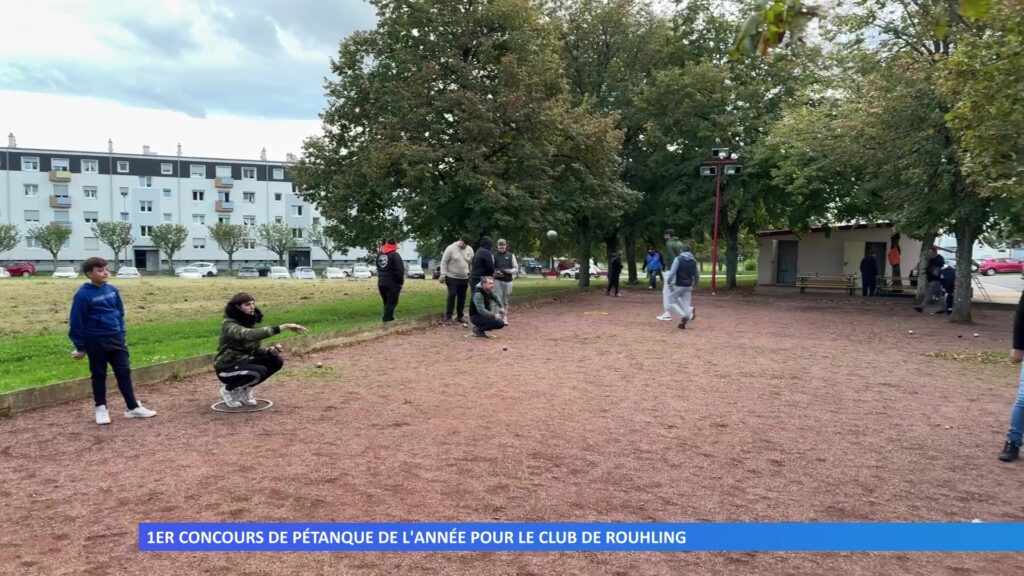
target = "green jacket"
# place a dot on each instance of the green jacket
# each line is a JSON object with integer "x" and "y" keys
{"x": 238, "y": 342}
{"x": 672, "y": 250}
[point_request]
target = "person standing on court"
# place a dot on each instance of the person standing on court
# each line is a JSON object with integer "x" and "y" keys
{"x": 868, "y": 275}
{"x": 673, "y": 248}
{"x": 933, "y": 272}
{"x": 390, "y": 277}
{"x": 455, "y": 276}
{"x": 483, "y": 263}
{"x": 614, "y": 271}
{"x": 505, "y": 266}
{"x": 1011, "y": 449}
{"x": 652, "y": 266}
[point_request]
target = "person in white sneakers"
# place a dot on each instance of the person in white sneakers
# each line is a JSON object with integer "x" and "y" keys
{"x": 682, "y": 278}
{"x": 241, "y": 362}
{"x": 97, "y": 331}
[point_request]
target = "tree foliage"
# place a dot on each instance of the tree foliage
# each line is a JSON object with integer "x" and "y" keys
{"x": 10, "y": 236}
{"x": 169, "y": 238}
{"x": 277, "y": 237}
{"x": 51, "y": 237}
{"x": 324, "y": 238}
{"x": 116, "y": 234}
{"x": 230, "y": 237}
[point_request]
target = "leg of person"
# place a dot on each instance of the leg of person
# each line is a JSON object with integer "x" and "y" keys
{"x": 1011, "y": 450}
{"x": 120, "y": 360}
{"x": 863, "y": 287}
{"x": 686, "y": 310}
{"x": 873, "y": 286}
{"x": 235, "y": 378}
{"x": 272, "y": 363}
{"x": 613, "y": 284}
{"x": 675, "y": 302}
{"x": 449, "y": 308}
{"x": 462, "y": 286}
{"x": 393, "y": 295}
{"x": 935, "y": 294}
{"x": 383, "y": 290}
{"x": 98, "y": 371}
{"x": 949, "y": 302}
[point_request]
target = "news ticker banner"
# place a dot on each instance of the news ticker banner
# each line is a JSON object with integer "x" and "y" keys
{"x": 581, "y": 537}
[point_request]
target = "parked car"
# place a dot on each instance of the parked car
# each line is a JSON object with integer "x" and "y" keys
{"x": 414, "y": 270}
{"x": 361, "y": 271}
{"x": 205, "y": 268}
{"x": 332, "y": 273}
{"x": 574, "y": 272}
{"x": 263, "y": 268}
{"x": 993, "y": 266}
{"x": 20, "y": 268}
{"x": 303, "y": 273}
{"x": 128, "y": 272}
{"x": 530, "y": 266}
{"x": 4, "y": 273}
{"x": 189, "y": 273}
{"x": 65, "y": 272}
{"x": 279, "y": 273}
{"x": 248, "y": 272}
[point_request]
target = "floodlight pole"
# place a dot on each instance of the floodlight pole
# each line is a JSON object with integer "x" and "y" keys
{"x": 720, "y": 164}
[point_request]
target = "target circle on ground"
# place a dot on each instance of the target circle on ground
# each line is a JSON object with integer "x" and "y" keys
{"x": 261, "y": 404}
{"x": 595, "y": 313}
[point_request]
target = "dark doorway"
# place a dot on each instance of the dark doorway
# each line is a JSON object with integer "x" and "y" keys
{"x": 297, "y": 258}
{"x": 786, "y": 262}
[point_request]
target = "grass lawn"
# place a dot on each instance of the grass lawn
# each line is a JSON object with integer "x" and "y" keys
{"x": 170, "y": 318}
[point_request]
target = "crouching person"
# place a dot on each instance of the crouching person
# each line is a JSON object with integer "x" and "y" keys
{"x": 241, "y": 362}
{"x": 484, "y": 309}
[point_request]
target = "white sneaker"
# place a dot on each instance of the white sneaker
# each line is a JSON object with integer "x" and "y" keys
{"x": 102, "y": 415}
{"x": 666, "y": 317}
{"x": 245, "y": 396}
{"x": 140, "y": 411}
{"x": 229, "y": 397}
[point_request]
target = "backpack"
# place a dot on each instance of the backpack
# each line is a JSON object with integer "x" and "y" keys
{"x": 686, "y": 273}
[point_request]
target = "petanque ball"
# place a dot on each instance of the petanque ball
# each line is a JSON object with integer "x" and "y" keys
{"x": 552, "y": 235}
{"x": 504, "y": 348}
{"x": 319, "y": 364}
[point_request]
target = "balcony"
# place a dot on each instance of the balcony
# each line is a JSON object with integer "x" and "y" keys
{"x": 224, "y": 206}
{"x": 224, "y": 182}
{"x": 60, "y": 176}
{"x": 60, "y": 201}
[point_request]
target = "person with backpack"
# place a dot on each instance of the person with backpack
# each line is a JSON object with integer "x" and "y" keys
{"x": 682, "y": 279}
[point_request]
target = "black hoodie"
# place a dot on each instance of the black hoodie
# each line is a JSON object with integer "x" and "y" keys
{"x": 483, "y": 262}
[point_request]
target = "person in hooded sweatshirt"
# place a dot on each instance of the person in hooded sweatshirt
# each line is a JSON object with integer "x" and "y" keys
{"x": 483, "y": 263}
{"x": 390, "y": 277}
{"x": 682, "y": 278}
{"x": 96, "y": 328}
{"x": 1014, "y": 436}
{"x": 241, "y": 363}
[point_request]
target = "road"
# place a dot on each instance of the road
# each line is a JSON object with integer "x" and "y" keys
{"x": 1005, "y": 288}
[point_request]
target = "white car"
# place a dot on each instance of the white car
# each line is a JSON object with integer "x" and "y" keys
{"x": 414, "y": 270}
{"x": 128, "y": 272}
{"x": 190, "y": 273}
{"x": 361, "y": 271}
{"x": 204, "y": 268}
{"x": 279, "y": 273}
{"x": 335, "y": 273}
{"x": 304, "y": 273}
{"x": 65, "y": 272}
{"x": 4, "y": 273}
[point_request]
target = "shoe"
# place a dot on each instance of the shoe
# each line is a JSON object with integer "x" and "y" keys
{"x": 462, "y": 322}
{"x": 478, "y": 333}
{"x": 139, "y": 411}
{"x": 1011, "y": 451}
{"x": 229, "y": 398}
{"x": 665, "y": 317}
{"x": 682, "y": 324}
{"x": 919, "y": 308}
{"x": 693, "y": 314}
{"x": 245, "y": 396}
{"x": 617, "y": 294}
{"x": 506, "y": 322}
{"x": 102, "y": 415}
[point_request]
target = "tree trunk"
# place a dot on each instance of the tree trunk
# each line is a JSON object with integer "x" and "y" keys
{"x": 230, "y": 261}
{"x": 927, "y": 241}
{"x": 633, "y": 279}
{"x": 965, "y": 234}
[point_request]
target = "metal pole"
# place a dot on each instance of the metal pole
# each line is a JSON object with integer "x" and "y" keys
{"x": 714, "y": 248}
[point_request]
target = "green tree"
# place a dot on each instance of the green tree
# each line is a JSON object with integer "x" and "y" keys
{"x": 230, "y": 237}
{"x": 117, "y": 235}
{"x": 169, "y": 238}
{"x": 51, "y": 237}
{"x": 323, "y": 238}
{"x": 9, "y": 237}
{"x": 277, "y": 237}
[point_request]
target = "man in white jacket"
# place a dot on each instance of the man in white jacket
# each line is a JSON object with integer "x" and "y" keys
{"x": 455, "y": 275}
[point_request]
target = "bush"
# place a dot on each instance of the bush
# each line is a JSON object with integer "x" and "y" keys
{"x": 750, "y": 265}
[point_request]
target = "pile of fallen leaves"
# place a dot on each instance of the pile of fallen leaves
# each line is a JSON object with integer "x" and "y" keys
{"x": 985, "y": 357}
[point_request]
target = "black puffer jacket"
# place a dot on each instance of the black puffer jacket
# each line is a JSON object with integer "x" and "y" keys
{"x": 483, "y": 261}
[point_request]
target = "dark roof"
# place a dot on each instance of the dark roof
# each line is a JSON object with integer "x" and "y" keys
{"x": 823, "y": 228}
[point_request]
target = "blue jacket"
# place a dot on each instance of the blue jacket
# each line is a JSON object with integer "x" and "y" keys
{"x": 691, "y": 271}
{"x": 652, "y": 263}
{"x": 95, "y": 311}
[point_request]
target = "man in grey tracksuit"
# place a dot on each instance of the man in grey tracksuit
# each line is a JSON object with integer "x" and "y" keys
{"x": 682, "y": 278}
{"x": 505, "y": 266}
{"x": 673, "y": 247}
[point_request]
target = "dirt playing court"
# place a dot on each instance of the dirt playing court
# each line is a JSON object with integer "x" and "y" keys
{"x": 766, "y": 409}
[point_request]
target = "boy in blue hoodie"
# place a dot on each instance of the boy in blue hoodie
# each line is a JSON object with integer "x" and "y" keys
{"x": 97, "y": 330}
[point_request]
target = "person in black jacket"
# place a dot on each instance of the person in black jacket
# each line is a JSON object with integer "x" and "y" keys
{"x": 948, "y": 279}
{"x": 614, "y": 271}
{"x": 933, "y": 288}
{"x": 1011, "y": 450}
{"x": 868, "y": 275}
{"x": 390, "y": 277}
{"x": 483, "y": 263}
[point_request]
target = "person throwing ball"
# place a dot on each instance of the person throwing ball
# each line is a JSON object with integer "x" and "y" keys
{"x": 241, "y": 362}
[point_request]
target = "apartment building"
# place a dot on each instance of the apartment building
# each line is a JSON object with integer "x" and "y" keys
{"x": 77, "y": 189}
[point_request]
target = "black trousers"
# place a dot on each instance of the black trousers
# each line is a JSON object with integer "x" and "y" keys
{"x": 250, "y": 372}
{"x": 613, "y": 282}
{"x": 869, "y": 285}
{"x": 457, "y": 288}
{"x": 389, "y": 296}
{"x": 113, "y": 350}
{"x": 485, "y": 323}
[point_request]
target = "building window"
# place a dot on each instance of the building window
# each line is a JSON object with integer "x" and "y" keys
{"x": 90, "y": 166}
{"x": 167, "y": 193}
{"x": 249, "y": 245}
{"x": 248, "y": 173}
{"x": 145, "y": 231}
{"x": 224, "y": 219}
{"x": 29, "y": 164}
{"x": 167, "y": 217}
{"x": 60, "y": 189}
{"x": 223, "y": 196}
{"x": 249, "y": 221}
{"x": 89, "y": 192}
{"x": 199, "y": 242}
{"x": 92, "y": 243}
{"x": 223, "y": 171}
{"x": 91, "y": 217}
{"x": 297, "y": 233}
{"x": 199, "y": 219}
{"x": 277, "y": 196}
{"x": 198, "y": 195}
{"x": 60, "y": 164}
{"x": 31, "y": 190}
{"x": 145, "y": 181}
{"x": 197, "y": 171}
{"x": 278, "y": 219}
{"x": 145, "y": 205}
{"x": 278, "y": 173}
{"x": 31, "y": 215}
{"x": 166, "y": 168}
{"x": 62, "y": 216}
{"x": 296, "y": 210}
{"x": 122, "y": 166}
{"x": 31, "y": 242}
{"x": 249, "y": 197}
{"x": 316, "y": 221}
{"x": 124, "y": 216}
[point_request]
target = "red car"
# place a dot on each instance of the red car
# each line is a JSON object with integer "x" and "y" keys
{"x": 991, "y": 266}
{"x": 18, "y": 268}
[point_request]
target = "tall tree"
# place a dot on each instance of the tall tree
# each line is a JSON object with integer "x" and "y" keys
{"x": 9, "y": 237}
{"x": 230, "y": 237}
{"x": 169, "y": 238}
{"x": 323, "y": 238}
{"x": 51, "y": 237}
{"x": 116, "y": 234}
{"x": 277, "y": 237}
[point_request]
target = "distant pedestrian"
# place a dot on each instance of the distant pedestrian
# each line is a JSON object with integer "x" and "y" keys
{"x": 390, "y": 277}
{"x": 614, "y": 271}
{"x": 97, "y": 330}
{"x": 652, "y": 266}
{"x": 948, "y": 279}
{"x": 682, "y": 278}
{"x": 868, "y": 275}
{"x": 455, "y": 265}
{"x": 485, "y": 311}
{"x": 483, "y": 262}
{"x": 673, "y": 248}
{"x": 933, "y": 286}
{"x": 1011, "y": 449}
{"x": 505, "y": 267}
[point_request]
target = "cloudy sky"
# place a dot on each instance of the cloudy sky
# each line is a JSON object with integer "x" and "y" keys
{"x": 223, "y": 77}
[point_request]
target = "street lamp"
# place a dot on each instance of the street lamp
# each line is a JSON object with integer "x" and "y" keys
{"x": 124, "y": 194}
{"x": 720, "y": 161}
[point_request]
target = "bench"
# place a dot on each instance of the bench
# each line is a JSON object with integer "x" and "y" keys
{"x": 847, "y": 282}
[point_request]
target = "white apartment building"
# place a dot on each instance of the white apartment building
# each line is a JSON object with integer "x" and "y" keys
{"x": 78, "y": 188}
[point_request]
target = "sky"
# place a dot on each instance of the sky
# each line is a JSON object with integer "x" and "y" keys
{"x": 224, "y": 78}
